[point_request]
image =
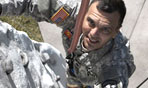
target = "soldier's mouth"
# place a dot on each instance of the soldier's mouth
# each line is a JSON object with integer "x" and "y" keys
{"x": 92, "y": 41}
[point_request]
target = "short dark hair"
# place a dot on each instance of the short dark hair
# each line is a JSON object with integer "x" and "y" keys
{"x": 110, "y": 6}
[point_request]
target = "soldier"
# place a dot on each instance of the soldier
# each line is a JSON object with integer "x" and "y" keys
{"x": 102, "y": 56}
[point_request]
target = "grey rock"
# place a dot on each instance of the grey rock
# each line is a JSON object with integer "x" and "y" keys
{"x": 26, "y": 63}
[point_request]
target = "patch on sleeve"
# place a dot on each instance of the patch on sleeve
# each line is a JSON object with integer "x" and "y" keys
{"x": 68, "y": 34}
{"x": 60, "y": 16}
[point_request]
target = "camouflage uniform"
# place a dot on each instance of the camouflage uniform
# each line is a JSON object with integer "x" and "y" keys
{"x": 112, "y": 62}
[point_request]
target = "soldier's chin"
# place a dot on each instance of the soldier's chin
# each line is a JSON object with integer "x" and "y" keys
{"x": 90, "y": 47}
{"x": 95, "y": 46}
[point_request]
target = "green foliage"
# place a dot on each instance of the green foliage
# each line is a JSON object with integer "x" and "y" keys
{"x": 26, "y": 24}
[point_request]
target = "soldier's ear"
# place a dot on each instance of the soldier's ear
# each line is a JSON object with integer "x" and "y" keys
{"x": 116, "y": 31}
{"x": 114, "y": 35}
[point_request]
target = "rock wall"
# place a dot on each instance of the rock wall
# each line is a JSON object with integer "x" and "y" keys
{"x": 25, "y": 63}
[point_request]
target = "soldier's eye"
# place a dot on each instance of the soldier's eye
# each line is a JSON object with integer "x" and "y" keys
{"x": 91, "y": 22}
{"x": 106, "y": 30}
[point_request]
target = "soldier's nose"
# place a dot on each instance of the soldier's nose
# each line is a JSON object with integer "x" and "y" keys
{"x": 94, "y": 32}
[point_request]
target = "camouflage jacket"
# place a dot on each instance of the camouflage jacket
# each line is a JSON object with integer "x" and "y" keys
{"x": 113, "y": 61}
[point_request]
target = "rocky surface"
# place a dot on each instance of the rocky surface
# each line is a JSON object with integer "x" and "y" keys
{"x": 26, "y": 63}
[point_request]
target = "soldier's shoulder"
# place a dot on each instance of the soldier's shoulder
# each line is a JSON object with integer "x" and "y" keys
{"x": 120, "y": 46}
{"x": 65, "y": 12}
{"x": 120, "y": 40}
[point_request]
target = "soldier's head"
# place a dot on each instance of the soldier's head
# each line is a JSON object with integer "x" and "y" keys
{"x": 102, "y": 22}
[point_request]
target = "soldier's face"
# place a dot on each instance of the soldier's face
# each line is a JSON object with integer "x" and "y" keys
{"x": 99, "y": 27}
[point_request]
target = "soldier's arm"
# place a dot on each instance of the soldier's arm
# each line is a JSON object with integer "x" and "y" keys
{"x": 39, "y": 9}
{"x": 47, "y": 10}
{"x": 52, "y": 11}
